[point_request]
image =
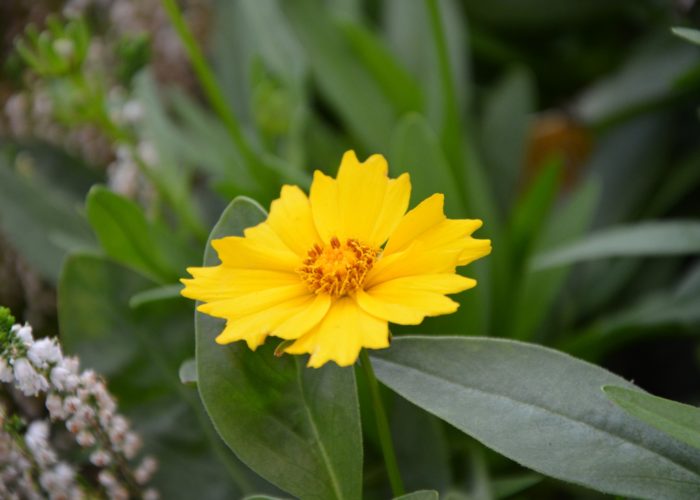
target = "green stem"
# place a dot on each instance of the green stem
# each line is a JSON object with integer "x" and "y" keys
{"x": 392, "y": 466}
{"x": 207, "y": 80}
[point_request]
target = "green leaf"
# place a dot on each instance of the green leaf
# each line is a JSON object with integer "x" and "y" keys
{"x": 504, "y": 131}
{"x": 541, "y": 408}
{"x": 297, "y": 427}
{"x": 43, "y": 224}
{"x": 420, "y": 495}
{"x": 415, "y": 149}
{"x": 140, "y": 352}
{"x": 688, "y": 34}
{"x": 632, "y": 87}
{"x": 398, "y": 85}
{"x": 342, "y": 77}
{"x": 423, "y": 456}
{"x": 505, "y": 487}
{"x": 126, "y": 235}
{"x": 541, "y": 288}
{"x": 676, "y": 419}
{"x": 646, "y": 239}
{"x": 167, "y": 292}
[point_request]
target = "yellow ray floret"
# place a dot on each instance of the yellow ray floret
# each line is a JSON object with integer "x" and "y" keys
{"x": 331, "y": 270}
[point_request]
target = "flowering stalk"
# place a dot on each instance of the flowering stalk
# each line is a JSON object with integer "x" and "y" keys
{"x": 392, "y": 466}
{"x": 82, "y": 402}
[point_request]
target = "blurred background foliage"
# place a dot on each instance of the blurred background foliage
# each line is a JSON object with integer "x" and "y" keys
{"x": 570, "y": 128}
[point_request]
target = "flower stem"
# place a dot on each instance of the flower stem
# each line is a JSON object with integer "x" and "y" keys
{"x": 207, "y": 79}
{"x": 392, "y": 467}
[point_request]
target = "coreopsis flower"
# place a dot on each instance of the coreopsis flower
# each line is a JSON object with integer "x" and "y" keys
{"x": 328, "y": 272}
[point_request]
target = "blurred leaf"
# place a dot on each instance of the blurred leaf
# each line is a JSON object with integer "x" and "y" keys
{"x": 561, "y": 423}
{"x": 541, "y": 288}
{"x": 680, "y": 181}
{"x": 688, "y": 34}
{"x": 416, "y": 149}
{"x": 531, "y": 211}
{"x": 410, "y": 38}
{"x": 678, "y": 307}
{"x": 43, "y": 224}
{"x": 167, "y": 292}
{"x": 342, "y": 77}
{"x": 140, "y": 352}
{"x": 127, "y": 237}
{"x": 421, "y": 448}
{"x": 298, "y": 427}
{"x": 505, "y": 487}
{"x": 398, "y": 85}
{"x": 644, "y": 239}
{"x": 188, "y": 371}
{"x": 648, "y": 76}
{"x": 420, "y": 495}
{"x": 504, "y": 130}
{"x": 676, "y": 419}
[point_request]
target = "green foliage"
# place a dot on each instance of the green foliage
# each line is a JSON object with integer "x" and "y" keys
{"x": 565, "y": 427}
{"x": 676, "y": 419}
{"x": 595, "y": 251}
{"x": 646, "y": 239}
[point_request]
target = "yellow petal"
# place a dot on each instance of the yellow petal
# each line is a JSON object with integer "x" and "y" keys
{"x": 253, "y": 302}
{"x": 324, "y": 205}
{"x": 290, "y": 319}
{"x": 290, "y": 217}
{"x": 363, "y": 203}
{"x": 342, "y": 333}
{"x": 407, "y": 301}
{"x": 219, "y": 282}
{"x": 427, "y": 222}
{"x": 473, "y": 251}
{"x": 260, "y": 249}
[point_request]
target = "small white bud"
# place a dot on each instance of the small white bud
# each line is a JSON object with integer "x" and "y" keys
{"x": 29, "y": 381}
{"x": 24, "y": 333}
{"x": 44, "y": 351}
{"x": 100, "y": 458}
{"x": 6, "y": 374}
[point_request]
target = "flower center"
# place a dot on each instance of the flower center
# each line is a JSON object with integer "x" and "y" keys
{"x": 337, "y": 268}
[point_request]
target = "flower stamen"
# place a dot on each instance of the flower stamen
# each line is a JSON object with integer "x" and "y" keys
{"x": 337, "y": 268}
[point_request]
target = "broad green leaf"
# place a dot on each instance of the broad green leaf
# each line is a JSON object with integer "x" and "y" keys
{"x": 297, "y": 427}
{"x": 342, "y": 77}
{"x": 541, "y": 408}
{"x": 504, "y": 130}
{"x": 420, "y": 495}
{"x": 688, "y": 34}
{"x": 140, "y": 352}
{"x": 126, "y": 235}
{"x": 646, "y": 239}
{"x": 43, "y": 224}
{"x": 676, "y": 419}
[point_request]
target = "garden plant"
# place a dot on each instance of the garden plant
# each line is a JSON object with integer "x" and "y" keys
{"x": 345, "y": 249}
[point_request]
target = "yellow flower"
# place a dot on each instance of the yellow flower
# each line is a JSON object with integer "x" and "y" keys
{"x": 331, "y": 270}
